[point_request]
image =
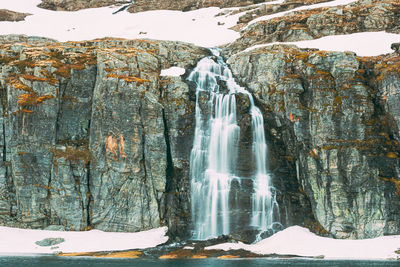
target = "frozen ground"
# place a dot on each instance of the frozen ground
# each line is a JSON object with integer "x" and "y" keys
{"x": 201, "y": 27}
{"x": 281, "y": 14}
{"x": 363, "y": 44}
{"x": 22, "y": 241}
{"x": 300, "y": 241}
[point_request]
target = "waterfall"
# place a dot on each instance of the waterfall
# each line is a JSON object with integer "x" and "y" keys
{"x": 214, "y": 154}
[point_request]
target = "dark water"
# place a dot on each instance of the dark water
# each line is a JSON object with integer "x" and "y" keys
{"x": 50, "y": 261}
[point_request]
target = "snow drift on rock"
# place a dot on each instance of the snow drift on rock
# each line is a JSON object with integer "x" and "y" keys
{"x": 363, "y": 43}
{"x": 300, "y": 241}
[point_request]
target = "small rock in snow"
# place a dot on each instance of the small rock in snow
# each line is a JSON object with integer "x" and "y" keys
{"x": 47, "y": 242}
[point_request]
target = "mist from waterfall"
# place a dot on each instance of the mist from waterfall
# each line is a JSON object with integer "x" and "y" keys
{"x": 214, "y": 155}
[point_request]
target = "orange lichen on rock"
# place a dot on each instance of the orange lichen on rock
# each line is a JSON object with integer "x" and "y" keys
{"x": 121, "y": 146}
{"x": 392, "y": 155}
{"x": 17, "y": 84}
{"x": 128, "y": 79}
{"x": 73, "y": 154}
{"x": 168, "y": 256}
{"x": 199, "y": 256}
{"x": 75, "y": 254}
{"x": 228, "y": 257}
{"x": 123, "y": 254}
{"x": 293, "y": 118}
{"x": 32, "y": 99}
{"x": 52, "y": 81}
{"x": 111, "y": 146}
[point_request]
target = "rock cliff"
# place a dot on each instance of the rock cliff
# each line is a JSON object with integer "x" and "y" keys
{"x": 333, "y": 121}
{"x": 93, "y": 137}
{"x": 360, "y": 16}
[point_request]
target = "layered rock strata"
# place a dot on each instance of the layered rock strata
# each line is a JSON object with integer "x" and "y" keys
{"x": 333, "y": 122}
{"x": 93, "y": 137}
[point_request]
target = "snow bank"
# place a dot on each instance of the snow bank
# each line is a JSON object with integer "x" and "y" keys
{"x": 363, "y": 44}
{"x": 200, "y": 27}
{"x": 281, "y": 14}
{"x": 173, "y": 71}
{"x": 300, "y": 241}
{"x": 22, "y": 241}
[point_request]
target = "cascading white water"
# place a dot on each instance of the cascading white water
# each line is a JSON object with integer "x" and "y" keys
{"x": 213, "y": 157}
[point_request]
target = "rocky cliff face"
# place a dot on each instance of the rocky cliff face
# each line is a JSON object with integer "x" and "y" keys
{"x": 333, "y": 122}
{"x": 92, "y": 136}
{"x": 143, "y": 5}
{"x": 360, "y": 16}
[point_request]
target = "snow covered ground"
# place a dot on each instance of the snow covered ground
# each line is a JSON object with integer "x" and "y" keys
{"x": 300, "y": 241}
{"x": 363, "y": 44}
{"x": 22, "y": 241}
{"x": 294, "y": 240}
{"x": 281, "y": 14}
{"x": 201, "y": 27}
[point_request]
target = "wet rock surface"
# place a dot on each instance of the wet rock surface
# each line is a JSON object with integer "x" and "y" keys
{"x": 333, "y": 126}
{"x": 91, "y": 135}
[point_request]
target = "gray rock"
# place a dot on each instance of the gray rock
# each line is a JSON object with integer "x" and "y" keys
{"x": 359, "y": 16}
{"x": 47, "y": 242}
{"x": 332, "y": 123}
{"x": 55, "y": 228}
{"x": 88, "y": 138}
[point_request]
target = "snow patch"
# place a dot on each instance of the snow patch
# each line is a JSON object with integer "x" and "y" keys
{"x": 173, "y": 71}
{"x": 201, "y": 27}
{"x": 363, "y": 44}
{"x": 22, "y": 241}
{"x": 300, "y": 241}
{"x": 281, "y": 14}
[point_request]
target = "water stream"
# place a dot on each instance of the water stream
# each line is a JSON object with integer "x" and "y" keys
{"x": 214, "y": 156}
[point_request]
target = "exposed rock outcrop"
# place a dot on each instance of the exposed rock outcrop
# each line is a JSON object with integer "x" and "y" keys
{"x": 73, "y": 5}
{"x": 333, "y": 122}
{"x": 143, "y": 5}
{"x": 360, "y": 16}
{"x": 8, "y": 15}
{"x": 92, "y": 135}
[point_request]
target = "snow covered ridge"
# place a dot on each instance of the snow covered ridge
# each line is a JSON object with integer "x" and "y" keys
{"x": 300, "y": 241}
{"x": 281, "y": 14}
{"x": 26, "y": 241}
{"x": 200, "y": 27}
{"x": 378, "y": 43}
